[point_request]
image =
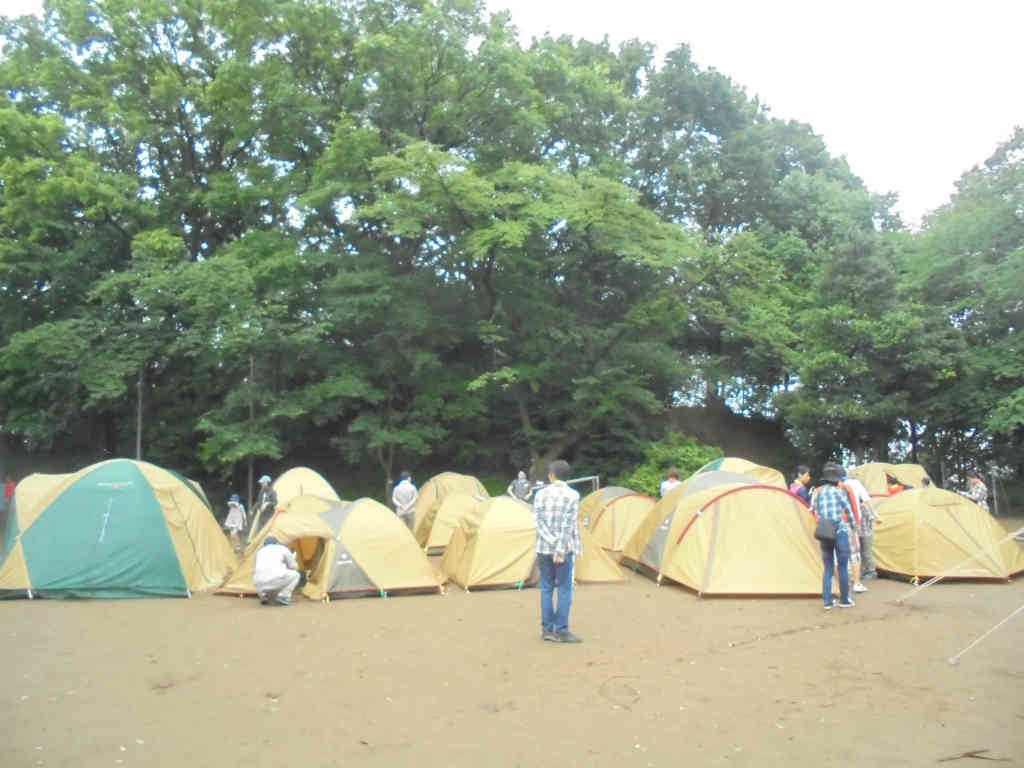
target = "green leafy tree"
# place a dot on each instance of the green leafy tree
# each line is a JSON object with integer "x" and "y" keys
{"x": 672, "y": 451}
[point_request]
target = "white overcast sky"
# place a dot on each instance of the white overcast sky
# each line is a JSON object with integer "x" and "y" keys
{"x": 912, "y": 92}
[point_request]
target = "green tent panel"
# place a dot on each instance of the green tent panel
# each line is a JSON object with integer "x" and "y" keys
{"x": 106, "y": 531}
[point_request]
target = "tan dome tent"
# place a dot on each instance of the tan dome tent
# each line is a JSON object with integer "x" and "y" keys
{"x": 613, "y": 514}
{"x": 731, "y": 539}
{"x": 433, "y": 493}
{"x": 302, "y": 481}
{"x": 873, "y": 476}
{"x": 928, "y": 531}
{"x": 120, "y": 528}
{"x": 350, "y": 549}
{"x": 760, "y": 474}
{"x": 494, "y": 546}
{"x": 453, "y": 508}
{"x": 647, "y": 545}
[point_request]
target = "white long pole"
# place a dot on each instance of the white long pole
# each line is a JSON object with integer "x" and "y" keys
{"x": 954, "y": 660}
{"x": 941, "y": 576}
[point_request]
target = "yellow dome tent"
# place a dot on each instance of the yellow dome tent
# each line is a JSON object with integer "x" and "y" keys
{"x": 120, "y": 528}
{"x": 926, "y": 532}
{"x": 453, "y": 508}
{"x": 433, "y": 493}
{"x": 737, "y": 538}
{"x": 872, "y": 475}
{"x": 302, "y": 481}
{"x": 757, "y": 472}
{"x": 494, "y": 546}
{"x": 353, "y": 548}
{"x": 613, "y": 514}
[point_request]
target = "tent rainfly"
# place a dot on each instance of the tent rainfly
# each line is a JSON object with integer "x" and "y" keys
{"x": 453, "y": 508}
{"x": 434, "y": 492}
{"x": 761, "y": 474}
{"x": 612, "y": 515}
{"x": 732, "y": 539}
{"x": 303, "y": 481}
{"x": 120, "y": 528}
{"x": 494, "y": 546}
{"x": 928, "y": 532}
{"x": 873, "y": 476}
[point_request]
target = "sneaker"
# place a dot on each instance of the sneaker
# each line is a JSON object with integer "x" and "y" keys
{"x": 549, "y": 635}
{"x": 858, "y": 587}
{"x": 264, "y": 600}
{"x": 566, "y": 637}
{"x": 847, "y": 604}
{"x": 284, "y": 600}
{"x": 828, "y": 606}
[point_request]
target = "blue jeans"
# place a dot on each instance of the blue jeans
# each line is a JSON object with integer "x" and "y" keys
{"x": 554, "y": 575}
{"x": 831, "y": 551}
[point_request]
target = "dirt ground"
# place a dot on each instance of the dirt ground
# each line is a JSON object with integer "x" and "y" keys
{"x": 663, "y": 678}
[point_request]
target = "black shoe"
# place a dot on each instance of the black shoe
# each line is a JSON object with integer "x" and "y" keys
{"x": 264, "y": 600}
{"x": 567, "y": 637}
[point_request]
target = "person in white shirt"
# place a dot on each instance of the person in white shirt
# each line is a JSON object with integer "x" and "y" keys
{"x": 865, "y": 530}
{"x": 276, "y": 572}
{"x": 404, "y": 497}
{"x": 670, "y": 482}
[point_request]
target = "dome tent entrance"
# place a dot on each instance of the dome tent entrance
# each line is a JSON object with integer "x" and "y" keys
{"x": 434, "y": 492}
{"x": 350, "y": 549}
{"x": 453, "y": 508}
{"x": 612, "y": 515}
{"x": 120, "y": 528}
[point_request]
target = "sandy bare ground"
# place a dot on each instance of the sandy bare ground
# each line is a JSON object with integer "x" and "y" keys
{"x": 662, "y": 679}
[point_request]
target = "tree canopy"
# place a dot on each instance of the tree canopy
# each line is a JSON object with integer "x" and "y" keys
{"x": 385, "y": 232}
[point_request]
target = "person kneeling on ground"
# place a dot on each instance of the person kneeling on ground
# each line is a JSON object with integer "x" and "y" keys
{"x": 276, "y": 573}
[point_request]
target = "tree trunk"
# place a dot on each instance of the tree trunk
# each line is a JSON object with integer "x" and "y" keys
{"x": 138, "y": 415}
{"x": 252, "y": 421}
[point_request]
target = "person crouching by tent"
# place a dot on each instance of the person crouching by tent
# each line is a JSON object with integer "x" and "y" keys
{"x": 832, "y": 505}
{"x": 235, "y": 521}
{"x": 275, "y": 573}
{"x": 404, "y": 497}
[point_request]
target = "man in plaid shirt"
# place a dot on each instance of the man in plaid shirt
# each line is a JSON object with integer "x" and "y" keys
{"x": 830, "y": 503}
{"x": 556, "y": 516}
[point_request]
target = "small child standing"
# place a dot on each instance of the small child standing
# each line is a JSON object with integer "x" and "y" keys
{"x": 235, "y": 521}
